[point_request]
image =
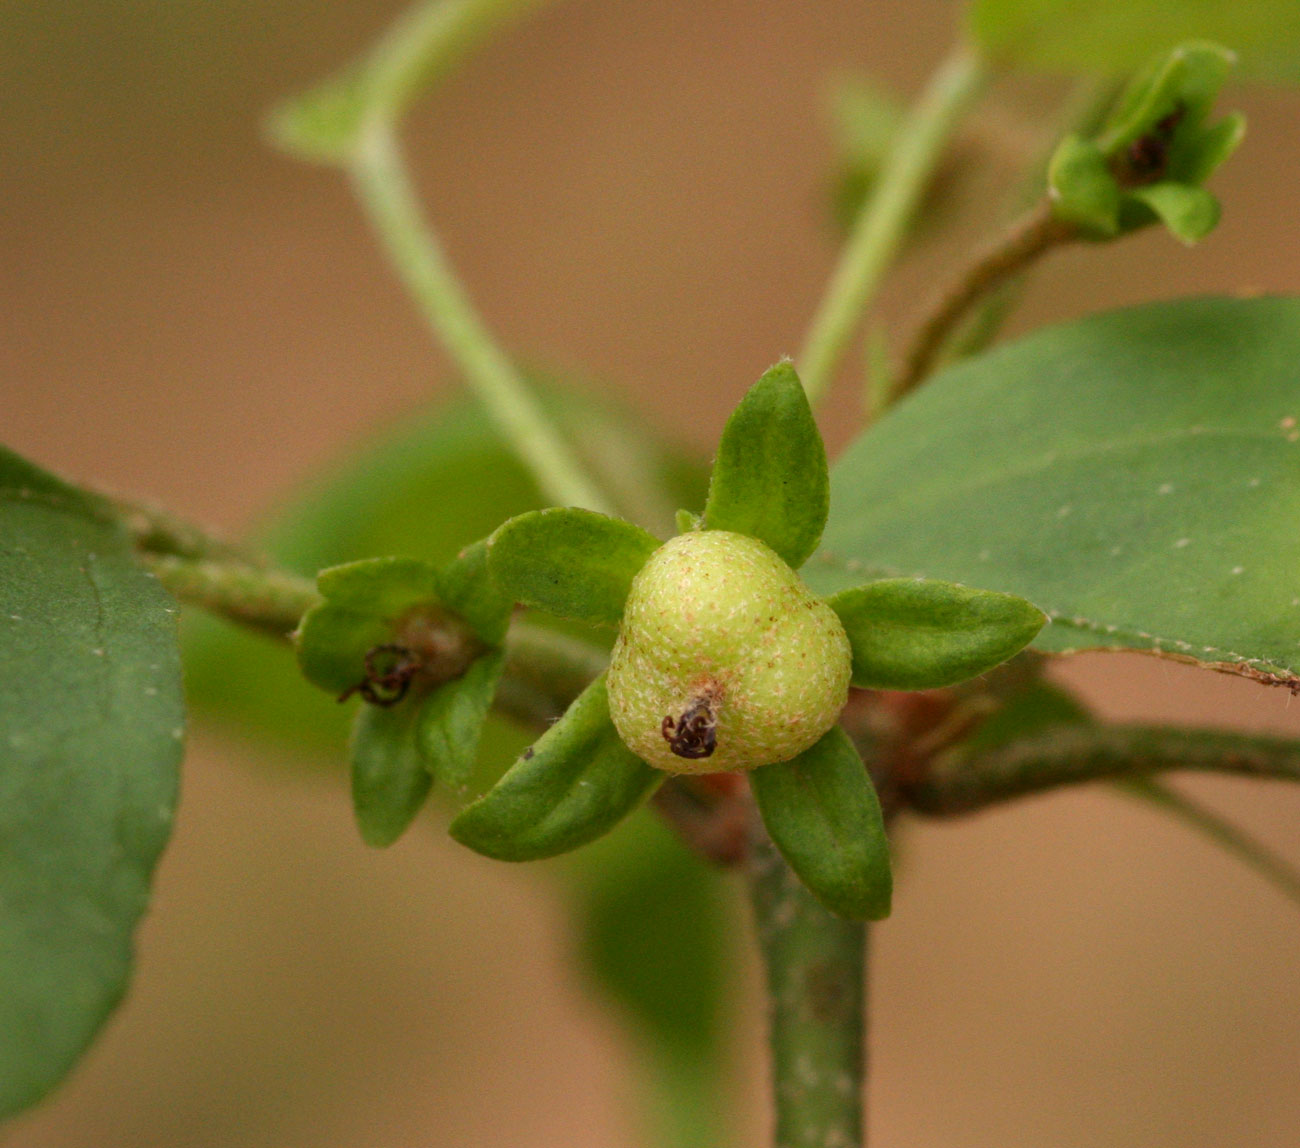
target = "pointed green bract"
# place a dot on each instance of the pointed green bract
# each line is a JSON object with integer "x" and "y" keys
{"x": 570, "y": 562}
{"x": 770, "y": 478}
{"x": 921, "y": 634}
{"x": 91, "y": 717}
{"x": 822, "y": 813}
{"x": 389, "y": 781}
{"x": 1083, "y": 188}
{"x": 1111, "y": 37}
{"x": 466, "y": 587}
{"x": 1190, "y": 213}
{"x": 451, "y": 721}
{"x": 577, "y": 782}
{"x": 1127, "y": 473}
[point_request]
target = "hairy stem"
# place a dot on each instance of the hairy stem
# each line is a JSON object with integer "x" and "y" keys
{"x": 383, "y": 186}
{"x": 815, "y": 965}
{"x": 271, "y": 601}
{"x": 1026, "y": 241}
{"x": 961, "y": 782}
{"x": 883, "y": 221}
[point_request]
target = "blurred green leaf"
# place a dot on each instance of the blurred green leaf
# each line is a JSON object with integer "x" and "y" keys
{"x": 769, "y": 478}
{"x": 570, "y": 562}
{"x": 1111, "y": 37}
{"x": 574, "y": 785}
{"x": 389, "y": 781}
{"x": 451, "y": 721}
{"x": 91, "y": 719}
{"x": 1127, "y": 473}
{"x": 921, "y": 634}
{"x": 822, "y": 813}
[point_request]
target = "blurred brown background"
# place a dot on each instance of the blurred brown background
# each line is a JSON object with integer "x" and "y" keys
{"x": 637, "y": 189}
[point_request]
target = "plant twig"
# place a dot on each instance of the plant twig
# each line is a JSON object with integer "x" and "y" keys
{"x": 815, "y": 967}
{"x": 961, "y": 781}
{"x": 1026, "y": 241}
{"x": 383, "y": 187}
{"x": 271, "y": 601}
{"x": 883, "y": 221}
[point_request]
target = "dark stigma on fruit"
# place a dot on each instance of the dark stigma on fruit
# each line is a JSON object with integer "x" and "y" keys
{"x": 694, "y": 734}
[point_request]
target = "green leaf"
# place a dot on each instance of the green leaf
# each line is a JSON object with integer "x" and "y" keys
{"x": 822, "y": 813}
{"x": 1183, "y": 83}
{"x": 574, "y": 785}
{"x": 467, "y": 587}
{"x": 1190, "y": 213}
{"x": 451, "y": 721}
{"x": 570, "y": 562}
{"x": 920, "y": 634}
{"x": 1127, "y": 473}
{"x": 389, "y": 781}
{"x": 90, "y": 729}
{"x": 364, "y": 602}
{"x": 1082, "y": 187}
{"x": 769, "y": 479}
{"x": 1112, "y": 37}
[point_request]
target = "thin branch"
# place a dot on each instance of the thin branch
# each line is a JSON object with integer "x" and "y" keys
{"x": 1023, "y": 244}
{"x": 815, "y": 964}
{"x": 883, "y": 221}
{"x": 270, "y": 601}
{"x": 383, "y": 187}
{"x": 960, "y": 781}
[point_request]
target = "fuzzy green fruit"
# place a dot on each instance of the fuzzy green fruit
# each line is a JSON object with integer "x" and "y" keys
{"x": 725, "y": 660}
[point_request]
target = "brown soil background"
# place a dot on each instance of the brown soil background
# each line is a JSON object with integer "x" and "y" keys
{"x": 636, "y": 189}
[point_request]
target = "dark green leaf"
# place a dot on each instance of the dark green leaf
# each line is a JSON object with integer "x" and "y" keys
{"x": 570, "y": 562}
{"x": 823, "y": 815}
{"x": 467, "y": 587}
{"x": 90, "y": 730}
{"x": 919, "y": 634}
{"x": 575, "y": 784}
{"x": 1083, "y": 189}
{"x": 1112, "y": 37}
{"x": 389, "y": 781}
{"x": 1128, "y": 473}
{"x": 451, "y": 721}
{"x": 769, "y": 479}
{"x": 1190, "y": 213}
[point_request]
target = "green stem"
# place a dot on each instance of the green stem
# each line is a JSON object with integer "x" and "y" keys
{"x": 815, "y": 964}
{"x": 961, "y": 781}
{"x": 381, "y": 183}
{"x": 882, "y": 224}
{"x": 267, "y": 600}
{"x": 426, "y": 42}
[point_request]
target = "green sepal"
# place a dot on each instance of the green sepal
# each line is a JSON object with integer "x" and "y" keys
{"x": 451, "y": 721}
{"x": 1195, "y": 164}
{"x": 467, "y": 587}
{"x": 823, "y": 814}
{"x": 687, "y": 521}
{"x": 1082, "y": 187}
{"x": 770, "y": 478}
{"x": 570, "y": 562}
{"x": 922, "y": 634}
{"x": 1184, "y": 81}
{"x": 363, "y": 603}
{"x": 573, "y": 785}
{"x": 1190, "y": 213}
{"x": 389, "y": 780}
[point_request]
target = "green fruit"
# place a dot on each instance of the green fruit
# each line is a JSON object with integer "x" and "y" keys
{"x": 725, "y": 660}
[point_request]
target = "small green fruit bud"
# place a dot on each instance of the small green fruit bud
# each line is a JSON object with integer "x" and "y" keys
{"x": 725, "y": 660}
